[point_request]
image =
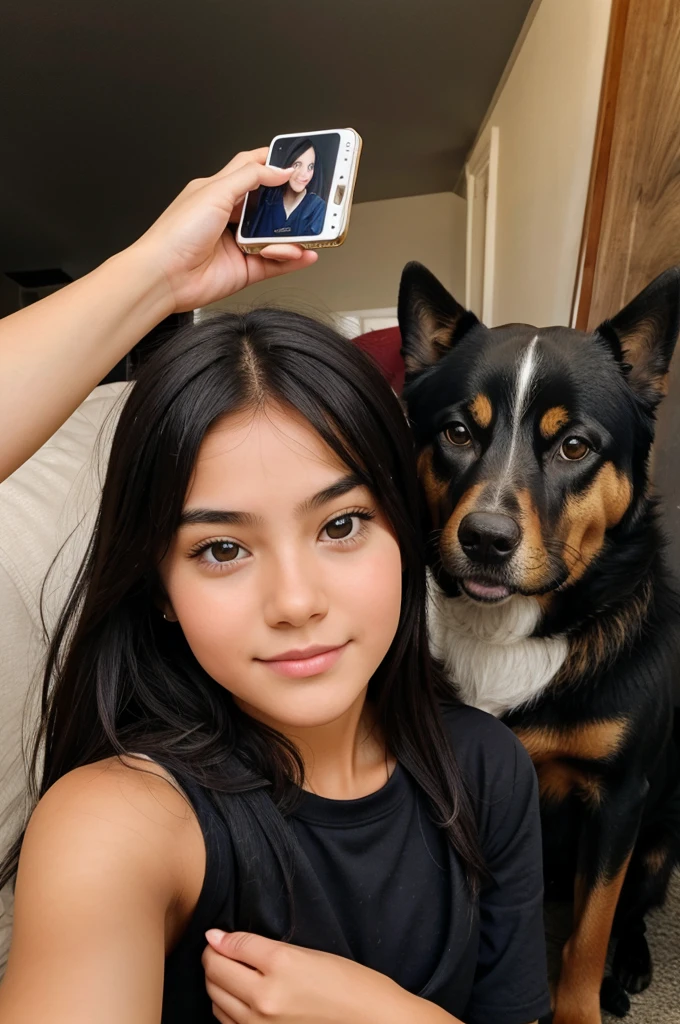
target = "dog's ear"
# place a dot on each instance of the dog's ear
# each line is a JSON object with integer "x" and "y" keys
{"x": 643, "y": 335}
{"x": 430, "y": 319}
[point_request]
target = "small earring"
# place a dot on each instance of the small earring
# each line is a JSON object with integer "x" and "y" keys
{"x": 165, "y": 617}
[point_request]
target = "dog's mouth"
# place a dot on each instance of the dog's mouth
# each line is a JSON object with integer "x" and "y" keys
{"x": 485, "y": 590}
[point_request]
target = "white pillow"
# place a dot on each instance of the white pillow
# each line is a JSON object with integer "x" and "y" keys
{"x": 53, "y": 495}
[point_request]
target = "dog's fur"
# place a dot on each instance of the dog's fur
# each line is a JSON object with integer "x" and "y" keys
{"x": 567, "y": 627}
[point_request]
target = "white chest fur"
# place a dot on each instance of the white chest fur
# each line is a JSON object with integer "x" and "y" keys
{"x": 488, "y": 650}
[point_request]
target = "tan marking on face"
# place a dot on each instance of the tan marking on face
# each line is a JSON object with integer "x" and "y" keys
{"x": 592, "y": 741}
{"x": 557, "y": 780}
{"x": 587, "y": 517}
{"x": 585, "y": 954}
{"x": 656, "y": 860}
{"x": 449, "y": 539}
{"x": 545, "y": 602}
{"x": 605, "y": 637}
{"x": 552, "y": 421}
{"x": 436, "y": 490}
{"x": 481, "y": 410}
{"x": 531, "y": 557}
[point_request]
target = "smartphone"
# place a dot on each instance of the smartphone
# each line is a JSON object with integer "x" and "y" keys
{"x": 312, "y": 209}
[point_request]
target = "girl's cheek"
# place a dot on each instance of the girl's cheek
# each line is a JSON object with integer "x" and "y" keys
{"x": 376, "y": 586}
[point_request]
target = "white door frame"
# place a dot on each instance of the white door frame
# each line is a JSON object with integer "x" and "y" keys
{"x": 485, "y": 155}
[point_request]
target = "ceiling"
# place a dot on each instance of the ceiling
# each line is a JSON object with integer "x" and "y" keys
{"x": 108, "y": 109}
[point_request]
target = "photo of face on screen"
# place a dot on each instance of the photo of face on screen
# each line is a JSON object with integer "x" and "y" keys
{"x": 298, "y": 208}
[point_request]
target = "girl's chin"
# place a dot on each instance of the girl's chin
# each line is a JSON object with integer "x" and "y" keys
{"x": 309, "y": 714}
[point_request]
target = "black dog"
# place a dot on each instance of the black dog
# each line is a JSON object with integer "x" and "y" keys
{"x": 552, "y": 605}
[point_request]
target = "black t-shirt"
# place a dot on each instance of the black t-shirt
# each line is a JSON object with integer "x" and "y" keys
{"x": 398, "y": 893}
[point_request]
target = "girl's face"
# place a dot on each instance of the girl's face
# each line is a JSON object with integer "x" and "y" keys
{"x": 285, "y": 576}
{"x": 303, "y": 170}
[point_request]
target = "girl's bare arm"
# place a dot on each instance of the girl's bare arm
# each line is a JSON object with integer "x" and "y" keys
{"x": 53, "y": 353}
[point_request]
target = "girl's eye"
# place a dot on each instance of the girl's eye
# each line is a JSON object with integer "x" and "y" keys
{"x": 222, "y": 551}
{"x": 574, "y": 449}
{"x": 458, "y": 434}
{"x": 342, "y": 527}
{"x": 348, "y": 526}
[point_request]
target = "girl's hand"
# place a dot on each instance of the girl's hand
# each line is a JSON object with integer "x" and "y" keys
{"x": 189, "y": 244}
{"x": 251, "y": 979}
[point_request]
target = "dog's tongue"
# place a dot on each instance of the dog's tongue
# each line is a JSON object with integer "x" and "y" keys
{"x": 486, "y": 591}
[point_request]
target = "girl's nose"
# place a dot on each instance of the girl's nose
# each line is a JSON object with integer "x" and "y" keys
{"x": 295, "y": 593}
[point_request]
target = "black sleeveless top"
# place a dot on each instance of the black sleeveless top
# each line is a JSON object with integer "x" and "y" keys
{"x": 375, "y": 881}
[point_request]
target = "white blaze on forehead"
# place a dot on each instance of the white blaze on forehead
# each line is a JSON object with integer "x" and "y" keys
{"x": 526, "y": 371}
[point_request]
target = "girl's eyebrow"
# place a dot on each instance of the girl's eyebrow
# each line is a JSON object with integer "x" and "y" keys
{"x": 342, "y": 486}
{"x": 217, "y": 517}
{"x": 222, "y": 517}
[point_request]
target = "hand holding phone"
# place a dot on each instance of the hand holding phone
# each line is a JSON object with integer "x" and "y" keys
{"x": 313, "y": 208}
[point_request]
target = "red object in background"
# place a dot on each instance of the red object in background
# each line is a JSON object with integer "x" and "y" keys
{"x": 384, "y": 347}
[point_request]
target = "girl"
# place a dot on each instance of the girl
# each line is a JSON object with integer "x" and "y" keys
{"x": 243, "y": 731}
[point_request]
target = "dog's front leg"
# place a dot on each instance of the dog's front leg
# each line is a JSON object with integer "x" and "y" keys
{"x": 607, "y": 842}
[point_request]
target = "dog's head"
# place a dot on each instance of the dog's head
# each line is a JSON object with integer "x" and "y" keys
{"x": 532, "y": 443}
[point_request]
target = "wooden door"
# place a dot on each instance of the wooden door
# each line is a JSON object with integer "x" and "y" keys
{"x": 632, "y": 224}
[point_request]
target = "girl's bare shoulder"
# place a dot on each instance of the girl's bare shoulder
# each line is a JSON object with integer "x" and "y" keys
{"x": 110, "y": 870}
{"x": 131, "y": 802}
{"x": 129, "y": 789}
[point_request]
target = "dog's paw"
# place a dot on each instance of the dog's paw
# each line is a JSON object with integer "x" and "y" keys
{"x": 613, "y": 997}
{"x": 632, "y": 965}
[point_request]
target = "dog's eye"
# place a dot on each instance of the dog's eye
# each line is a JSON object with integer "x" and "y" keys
{"x": 574, "y": 449}
{"x": 458, "y": 434}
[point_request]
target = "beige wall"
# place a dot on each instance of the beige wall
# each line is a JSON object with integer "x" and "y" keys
{"x": 364, "y": 272}
{"x": 546, "y": 114}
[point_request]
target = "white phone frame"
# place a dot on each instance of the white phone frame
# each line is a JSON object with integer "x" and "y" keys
{"x": 336, "y": 220}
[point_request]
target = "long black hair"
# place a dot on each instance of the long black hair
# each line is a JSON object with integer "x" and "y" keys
{"x": 119, "y": 680}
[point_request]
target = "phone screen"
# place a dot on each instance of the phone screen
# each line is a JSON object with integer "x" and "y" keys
{"x": 298, "y": 208}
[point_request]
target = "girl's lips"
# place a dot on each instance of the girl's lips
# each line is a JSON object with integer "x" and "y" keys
{"x": 301, "y": 664}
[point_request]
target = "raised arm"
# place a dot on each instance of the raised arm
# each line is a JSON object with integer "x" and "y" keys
{"x": 110, "y": 869}
{"x": 53, "y": 353}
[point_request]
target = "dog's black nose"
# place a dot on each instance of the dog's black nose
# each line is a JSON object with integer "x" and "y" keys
{"x": 488, "y": 537}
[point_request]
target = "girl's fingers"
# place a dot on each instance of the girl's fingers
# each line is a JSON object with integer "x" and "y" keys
{"x": 282, "y": 252}
{"x": 248, "y": 156}
{"x": 236, "y": 213}
{"x": 260, "y": 269}
{"x": 231, "y": 1008}
{"x": 222, "y": 1017}
{"x": 230, "y": 189}
{"x": 229, "y": 978}
{"x": 238, "y": 948}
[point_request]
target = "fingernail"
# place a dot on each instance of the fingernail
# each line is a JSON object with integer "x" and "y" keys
{"x": 215, "y": 936}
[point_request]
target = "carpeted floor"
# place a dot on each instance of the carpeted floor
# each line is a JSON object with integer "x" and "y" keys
{"x": 660, "y": 1004}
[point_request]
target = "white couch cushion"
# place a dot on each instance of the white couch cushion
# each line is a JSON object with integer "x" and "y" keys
{"x": 52, "y": 499}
